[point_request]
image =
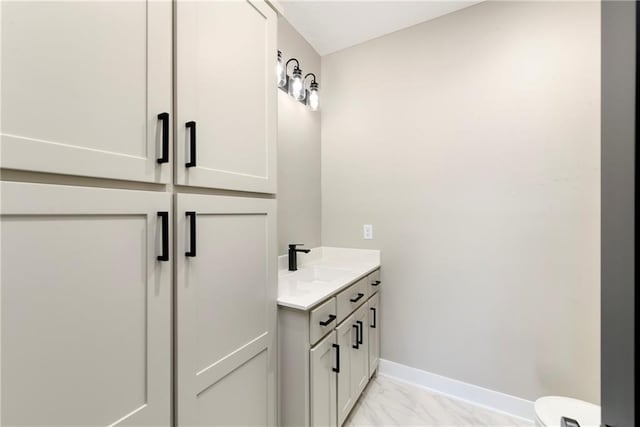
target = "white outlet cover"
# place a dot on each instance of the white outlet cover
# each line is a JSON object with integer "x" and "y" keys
{"x": 367, "y": 231}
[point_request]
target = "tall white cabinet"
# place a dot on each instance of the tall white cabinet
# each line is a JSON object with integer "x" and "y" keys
{"x": 226, "y": 311}
{"x": 86, "y": 306}
{"x": 225, "y": 95}
{"x": 128, "y": 307}
{"x": 86, "y": 88}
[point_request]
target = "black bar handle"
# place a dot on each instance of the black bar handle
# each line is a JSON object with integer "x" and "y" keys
{"x": 192, "y": 234}
{"x": 375, "y": 322}
{"x": 360, "y": 329}
{"x": 376, "y": 283}
{"x": 356, "y": 299}
{"x": 192, "y": 144}
{"x": 164, "y": 217}
{"x": 357, "y": 345}
{"x": 330, "y": 319}
{"x": 337, "y": 368}
{"x": 164, "y": 119}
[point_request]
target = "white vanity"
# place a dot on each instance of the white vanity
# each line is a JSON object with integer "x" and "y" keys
{"x": 328, "y": 334}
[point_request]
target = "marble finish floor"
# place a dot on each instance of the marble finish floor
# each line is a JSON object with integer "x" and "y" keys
{"x": 387, "y": 402}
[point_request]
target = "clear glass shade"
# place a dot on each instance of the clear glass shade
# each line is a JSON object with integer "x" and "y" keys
{"x": 281, "y": 73}
{"x": 296, "y": 87}
{"x": 314, "y": 99}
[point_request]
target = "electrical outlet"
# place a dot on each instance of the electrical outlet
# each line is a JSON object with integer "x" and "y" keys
{"x": 367, "y": 231}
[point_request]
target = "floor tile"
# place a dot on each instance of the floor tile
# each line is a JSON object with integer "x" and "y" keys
{"x": 387, "y": 402}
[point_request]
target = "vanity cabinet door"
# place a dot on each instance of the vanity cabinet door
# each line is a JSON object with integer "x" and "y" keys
{"x": 226, "y": 293}
{"x": 360, "y": 353}
{"x": 325, "y": 366}
{"x": 374, "y": 333}
{"x": 83, "y": 85}
{"x": 86, "y": 306}
{"x": 226, "y": 102}
{"x": 346, "y": 336}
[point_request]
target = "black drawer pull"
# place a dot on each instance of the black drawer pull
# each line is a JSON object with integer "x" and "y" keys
{"x": 192, "y": 144}
{"x": 164, "y": 217}
{"x": 360, "y": 329}
{"x": 356, "y": 299}
{"x": 337, "y": 368}
{"x": 376, "y": 283}
{"x": 329, "y": 320}
{"x": 373, "y": 309}
{"x": 164, "y": 119}
{"x": 357, "y": 344}
{"x": 192, "y": 234}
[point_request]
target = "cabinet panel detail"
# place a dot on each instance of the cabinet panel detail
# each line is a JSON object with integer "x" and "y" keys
{"x": 228, "y": 89}
{"x": 84, "y": 98}
{"x": 324, "y": 364}
{"x": 86, "y": 307}
{"x": 226, "y": 307}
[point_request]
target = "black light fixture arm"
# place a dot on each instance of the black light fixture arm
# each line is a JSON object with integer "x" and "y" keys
{"x": 314, "y": 83}
{"x": 310, "y": 74}
{"x": 286, "y": 65}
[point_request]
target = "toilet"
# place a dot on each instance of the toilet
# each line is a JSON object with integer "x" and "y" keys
{"x": 550, "y": 409}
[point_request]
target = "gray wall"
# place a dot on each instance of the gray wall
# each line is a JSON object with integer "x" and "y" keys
{"x": 298, "y": 151}
{"x": 618, "y": 223}
{"x": 472, "y": 144}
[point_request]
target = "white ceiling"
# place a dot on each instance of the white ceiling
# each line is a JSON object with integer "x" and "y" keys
{"x": 330, "y": 25}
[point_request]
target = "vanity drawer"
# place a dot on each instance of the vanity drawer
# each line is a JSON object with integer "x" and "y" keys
{"x": 374, "y": 282}
{"x": 352, "y": 297}
{"x": 322, "y": 320}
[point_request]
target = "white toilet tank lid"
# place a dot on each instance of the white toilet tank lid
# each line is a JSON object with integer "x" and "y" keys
{"x": 550, "y": 409}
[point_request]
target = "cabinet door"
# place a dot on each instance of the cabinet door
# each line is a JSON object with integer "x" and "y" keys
{"x": 226, "y": 91}
{"x": 83, "y": 84}
{"x": 86, "y": 307}
{"x": 226, "y": 311}
{"x": 360, "y": 353}
{"x": 347, "y": 338}
{"x": 374, "y": 333}
{"x": 324, "y": 366}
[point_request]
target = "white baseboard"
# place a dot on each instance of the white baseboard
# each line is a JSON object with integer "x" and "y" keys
{"x": 479, "y": 396}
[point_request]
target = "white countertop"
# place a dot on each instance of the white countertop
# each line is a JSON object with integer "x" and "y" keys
{"x": 321, "y": 274}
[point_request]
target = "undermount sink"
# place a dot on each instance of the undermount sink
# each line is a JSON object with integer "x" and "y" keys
{"x": 320, "y": 274}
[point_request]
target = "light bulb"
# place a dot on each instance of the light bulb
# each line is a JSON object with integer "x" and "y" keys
{"x": 280, "y": 71}
{"x": 296, "y": 87}
{"x": 314, "y": 98}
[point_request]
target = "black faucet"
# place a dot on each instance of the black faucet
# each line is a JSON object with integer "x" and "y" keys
{"x": 293, "y": 255}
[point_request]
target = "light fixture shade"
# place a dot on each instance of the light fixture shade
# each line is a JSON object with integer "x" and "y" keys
{"x": 314, "y": 98}
{"x": 296, "y": 85}
{"x": 281, "y": 72}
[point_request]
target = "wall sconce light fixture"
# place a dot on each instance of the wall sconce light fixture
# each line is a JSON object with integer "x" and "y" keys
{"x": 294, "y": 84}
{"x": 313, "y": 99}
{"x": 281, "y": 72}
